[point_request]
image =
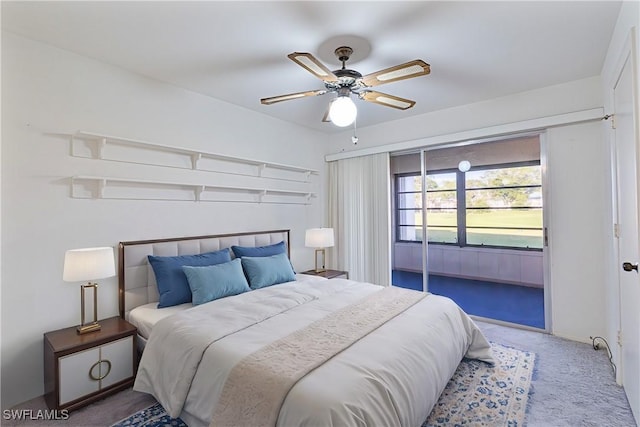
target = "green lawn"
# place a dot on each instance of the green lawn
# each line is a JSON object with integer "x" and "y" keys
{"x": 495, "y": 218}
{"x": 489, "y": 236}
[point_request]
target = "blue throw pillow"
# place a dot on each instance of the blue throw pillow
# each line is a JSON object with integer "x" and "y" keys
{"x": 172, "y": 282}
{"x": 216, "y": 281}
{"x": 259, "y": 251}
{"x": 267, "y": 271}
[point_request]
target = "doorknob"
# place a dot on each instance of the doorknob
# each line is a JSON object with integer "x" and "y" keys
{"x": 627, "y": 266}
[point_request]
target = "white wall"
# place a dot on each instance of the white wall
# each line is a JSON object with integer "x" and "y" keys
{"x": 47, "y": 91}
{"x": 500, "y": 265}
{"x": 628, "y": 18}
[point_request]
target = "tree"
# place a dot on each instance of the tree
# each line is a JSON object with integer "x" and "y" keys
{"x": 500, "y": 180}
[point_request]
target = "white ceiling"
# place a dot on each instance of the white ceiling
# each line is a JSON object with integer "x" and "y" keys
{"x": 236, "y": 51}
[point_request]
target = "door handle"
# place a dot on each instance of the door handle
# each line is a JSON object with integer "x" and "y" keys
{"x": 627, "y": 266}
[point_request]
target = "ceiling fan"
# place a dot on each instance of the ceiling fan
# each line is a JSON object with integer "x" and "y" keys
{"x": 342, "y": 111}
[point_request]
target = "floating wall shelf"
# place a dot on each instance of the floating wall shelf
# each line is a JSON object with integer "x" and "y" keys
{"x": 196, "y": 156}
{"x": 101, "y": 187}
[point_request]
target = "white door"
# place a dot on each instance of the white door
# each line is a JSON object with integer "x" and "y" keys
{"x": 629, "y": 242}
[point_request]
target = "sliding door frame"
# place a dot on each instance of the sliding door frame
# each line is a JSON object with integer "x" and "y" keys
{"x": 425, "y": 243}
{"x": 541, "y": 134}
{"x": 546, "y": 248}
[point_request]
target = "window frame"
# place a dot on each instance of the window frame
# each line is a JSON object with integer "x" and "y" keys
{"x": 398, "y": 209}
{"x": 457, "y": 208}
{"x": 461, "y": 206}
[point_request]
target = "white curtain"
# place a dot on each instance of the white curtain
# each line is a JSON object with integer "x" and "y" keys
{"x": 359, "y": 199}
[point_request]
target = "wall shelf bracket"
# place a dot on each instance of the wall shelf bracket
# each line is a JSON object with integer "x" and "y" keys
{"x": 198, "y": 190}
{"x": 195, "y": 157}
{"x": 102, "y": 184}
{"x": 100, "y": 145}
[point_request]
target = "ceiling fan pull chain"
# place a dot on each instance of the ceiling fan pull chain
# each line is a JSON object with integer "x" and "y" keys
{"x": 354, "y": 138}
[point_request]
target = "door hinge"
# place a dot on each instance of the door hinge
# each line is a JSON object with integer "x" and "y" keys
{"x": 616, "y": 230}
{"x": 619, "y": 338}
{"x": 546, "y": 237}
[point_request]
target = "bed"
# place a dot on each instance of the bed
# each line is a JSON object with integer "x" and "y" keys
{"x": 304, "y": 351}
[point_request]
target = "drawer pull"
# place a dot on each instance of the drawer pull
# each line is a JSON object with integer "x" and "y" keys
{"x": 100, "y": 377}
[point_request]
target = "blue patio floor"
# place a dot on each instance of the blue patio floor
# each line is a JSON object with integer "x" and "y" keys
{"x": 510, "y": 303}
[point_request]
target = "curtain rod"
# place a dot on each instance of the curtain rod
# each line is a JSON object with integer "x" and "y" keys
{"x": 487, "y": 132}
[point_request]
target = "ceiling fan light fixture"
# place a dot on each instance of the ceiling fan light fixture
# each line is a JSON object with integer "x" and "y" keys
{"x": 342, "y": 111}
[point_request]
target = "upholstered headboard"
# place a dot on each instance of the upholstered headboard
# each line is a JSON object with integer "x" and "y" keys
{"x": 137, "y": 282}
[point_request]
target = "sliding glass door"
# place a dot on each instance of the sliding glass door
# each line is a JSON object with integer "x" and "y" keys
{"x": 483, "y": 244}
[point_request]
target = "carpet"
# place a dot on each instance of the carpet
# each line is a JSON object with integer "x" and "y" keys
{"x": 477, "y": 395}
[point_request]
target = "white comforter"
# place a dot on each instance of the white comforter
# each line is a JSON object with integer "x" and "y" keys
{"x": 392, "y": 376}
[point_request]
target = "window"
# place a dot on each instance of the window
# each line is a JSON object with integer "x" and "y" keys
{"x": 504, "y": 207}
{"x": 442, "y": 207}
{"x": 409, "y": 208}
{"x": 495, "y": 206}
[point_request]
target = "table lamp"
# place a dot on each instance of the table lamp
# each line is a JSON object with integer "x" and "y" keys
{"x": 87, "y": 265}
{"x": 319, "y": 238}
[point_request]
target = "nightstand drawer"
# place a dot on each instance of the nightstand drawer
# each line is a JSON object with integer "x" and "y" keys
{"x": 92, "y": 370}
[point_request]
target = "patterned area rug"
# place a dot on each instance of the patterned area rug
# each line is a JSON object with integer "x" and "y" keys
{"x": 476, "y": 395}
{"x": 483, "y": 395}
{"x": 153, "y": 416}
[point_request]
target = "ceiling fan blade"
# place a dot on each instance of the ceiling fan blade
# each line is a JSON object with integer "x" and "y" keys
{"x": 387, "y": 100}
{"x": 400, "y": 72}
{"x": 312, "y": 65}
{"x": 280, "y": 98}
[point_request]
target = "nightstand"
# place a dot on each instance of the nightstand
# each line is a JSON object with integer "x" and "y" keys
{"x": 328, "y": 274}
{"x": 82, "y": 368}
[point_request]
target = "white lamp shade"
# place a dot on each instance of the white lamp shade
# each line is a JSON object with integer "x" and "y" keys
{"x": 319, "y": 238}
{"x": 88, "y": 264}
{"x": 342, "y": 111}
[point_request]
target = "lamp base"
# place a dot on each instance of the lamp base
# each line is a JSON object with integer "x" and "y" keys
{"x": 90, "y": 327}
{"x": 320, "y": 267}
